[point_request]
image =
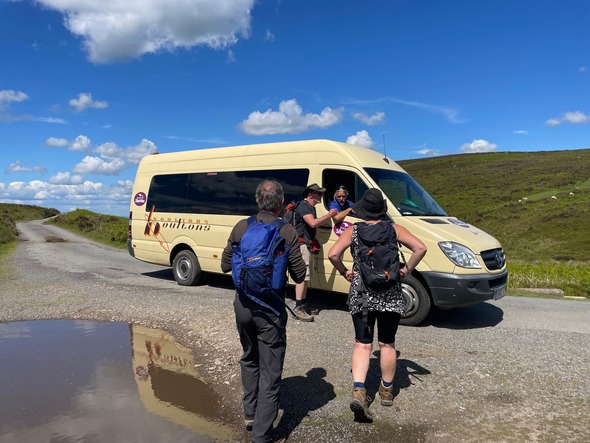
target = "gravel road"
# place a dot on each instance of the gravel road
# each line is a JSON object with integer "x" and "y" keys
{"x": 514, "y": 370}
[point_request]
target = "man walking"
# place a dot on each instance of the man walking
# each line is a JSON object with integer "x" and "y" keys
{"x": 263, "y": 332}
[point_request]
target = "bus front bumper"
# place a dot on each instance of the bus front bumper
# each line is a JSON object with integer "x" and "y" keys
{"x": 453, "y": 291}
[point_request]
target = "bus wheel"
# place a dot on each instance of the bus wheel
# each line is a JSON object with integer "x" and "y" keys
{"x": 417, "y": 302}
{"x": 186, "y": 268}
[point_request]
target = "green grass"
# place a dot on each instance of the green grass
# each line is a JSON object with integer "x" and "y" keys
{"x": 11, "y": 213}
{"x": 107, "y": 229}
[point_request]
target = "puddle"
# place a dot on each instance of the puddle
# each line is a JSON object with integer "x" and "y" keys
{"x": 83, "y": 381}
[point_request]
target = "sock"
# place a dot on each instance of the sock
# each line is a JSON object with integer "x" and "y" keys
{"x": 386, "y": 384}
{"x": 299, "y": 303}
{"x": 358, "y": 385}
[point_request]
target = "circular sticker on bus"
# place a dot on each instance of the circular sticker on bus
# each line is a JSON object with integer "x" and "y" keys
{"x": 139, "y": 199}
{"x": 340, "y": 227}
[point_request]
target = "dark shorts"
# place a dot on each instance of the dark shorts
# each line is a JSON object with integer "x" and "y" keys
{"x": 387, "y": 323}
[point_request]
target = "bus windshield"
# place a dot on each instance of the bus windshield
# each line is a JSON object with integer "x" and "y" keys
{"x": 405, "y": 193}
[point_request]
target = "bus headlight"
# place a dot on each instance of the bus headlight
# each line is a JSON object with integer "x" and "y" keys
{"x": 460, "y": 255}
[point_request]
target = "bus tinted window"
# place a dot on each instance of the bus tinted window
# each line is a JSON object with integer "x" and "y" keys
{"x": 227, "y": 193}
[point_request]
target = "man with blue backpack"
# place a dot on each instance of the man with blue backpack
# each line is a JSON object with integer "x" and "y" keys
{"x": 259, "y": 252}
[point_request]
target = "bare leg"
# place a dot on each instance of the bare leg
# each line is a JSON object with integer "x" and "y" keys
{"x": 388, "y": 361}
{"x": 301, "y": 290}
{"x": 360, "y": 361}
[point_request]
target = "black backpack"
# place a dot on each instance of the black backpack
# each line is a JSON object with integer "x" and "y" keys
{"x": 378, "y": 255}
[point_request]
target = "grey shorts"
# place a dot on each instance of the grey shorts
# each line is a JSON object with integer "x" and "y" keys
{"x": 307, "y": 259}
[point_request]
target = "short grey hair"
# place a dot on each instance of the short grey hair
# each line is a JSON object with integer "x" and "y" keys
{"x": 269, "y": 195}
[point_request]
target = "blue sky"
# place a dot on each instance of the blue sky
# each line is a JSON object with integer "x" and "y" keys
{"x": 88, "y": 87}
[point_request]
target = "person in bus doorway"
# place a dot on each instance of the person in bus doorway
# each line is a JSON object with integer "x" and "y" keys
{"x": 367, "y": 307}
{"x": 341, "y": 203}
{"x": 263, "y": 333}
{"x": 307, "y": 229}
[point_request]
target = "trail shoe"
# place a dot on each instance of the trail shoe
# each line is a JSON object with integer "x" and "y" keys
{"x": 360, "y": 406}
{"x": 278, "y": 436}
{"x": 386, "y": 395}
{"x": 301, "y": 314}
{"x": 248, "y": 422}
{"x": 310, "y": 310}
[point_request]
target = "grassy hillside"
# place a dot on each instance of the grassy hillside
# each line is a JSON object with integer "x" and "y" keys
{"x": 10, "y": 214}
{"x": 510, "y": 195}
{"x": 107, "y": 229}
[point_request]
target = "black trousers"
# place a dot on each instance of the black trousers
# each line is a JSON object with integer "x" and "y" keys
{"x": 264, "y": 340}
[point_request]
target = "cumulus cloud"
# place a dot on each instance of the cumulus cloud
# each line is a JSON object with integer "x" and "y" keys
{"x": 113, "y": 30}
{"x": 289, "y": 119}
{"x": 63, "y": 178}
{"x": 569, "y": 117}
{"x": 478, "y": 146}
{"x": 131, "y": 154}
{"x": 376, "y": 119}
{"x": 96, "y": 196}
{"x": 80, "y": 144}
{"x": 362, "y": 139}
{"x": 8, "y": 96}
{"x": 85, "y": 101}
{"x": 18, "y": 167}
{"x": 99, "y": 166}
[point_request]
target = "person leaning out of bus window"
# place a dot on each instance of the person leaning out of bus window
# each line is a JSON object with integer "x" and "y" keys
{"x": 341, "y": 203}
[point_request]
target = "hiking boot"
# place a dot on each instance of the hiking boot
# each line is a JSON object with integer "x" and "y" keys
{"x": 360, "y": 405}
{"x": 278, "y": 436}
{"x": 386, "y": 395}
{"x": 248, "y": 422}
{"x": 301, "y": 314}
{"x": 310, "y": 310}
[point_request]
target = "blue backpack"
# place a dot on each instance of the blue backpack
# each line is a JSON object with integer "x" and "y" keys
{"x": 259, "y": 263}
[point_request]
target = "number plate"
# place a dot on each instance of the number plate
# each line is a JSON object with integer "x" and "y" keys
{"x": 499, "y": 293}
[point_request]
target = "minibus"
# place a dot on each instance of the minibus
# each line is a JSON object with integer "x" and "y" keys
{"x": 185, "y": 204}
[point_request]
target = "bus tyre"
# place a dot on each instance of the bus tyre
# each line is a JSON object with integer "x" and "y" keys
{"x": 186, "y": 268}
{"x": 417, "y": 302}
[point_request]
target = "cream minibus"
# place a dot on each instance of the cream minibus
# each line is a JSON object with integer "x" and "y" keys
{"x": 184, "y": 205}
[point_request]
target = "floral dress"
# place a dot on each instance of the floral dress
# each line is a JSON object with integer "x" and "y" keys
{"x": 391, "y": 300}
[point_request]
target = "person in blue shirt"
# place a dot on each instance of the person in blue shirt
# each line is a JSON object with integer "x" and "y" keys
{"x": 341, "y": 203}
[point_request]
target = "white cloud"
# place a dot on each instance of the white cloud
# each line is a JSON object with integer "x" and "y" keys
{"x": 289, "y": 119}
{"x": 269, "y": 36}
{"x": 99, "y": 166}
{"x": 362, "y": 139}
{"x": 115, "y": 30}
{"x": 17, "y": 167}
{"x": 63, "y": 178}
{"x": 478, "y": 146}
{"x": 131, "y": 154}
{"x": 57, "y": 142}
{"x": 428, "y": 152}
{"x": 96, "y": 196}
{"x": 520, "y": 132}
{"x": 376, "y": 119}
{"x": 85, "y": 101}
{"x": 8, "y": 96}
{"x": 569, "y": 117}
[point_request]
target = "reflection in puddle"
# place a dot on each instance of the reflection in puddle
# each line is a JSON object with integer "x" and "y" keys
{"x": 102, "y": 382}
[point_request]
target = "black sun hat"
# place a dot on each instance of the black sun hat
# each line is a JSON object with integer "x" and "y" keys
{"x": 313, "y": 188}
{"x": 372, "y": 206}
